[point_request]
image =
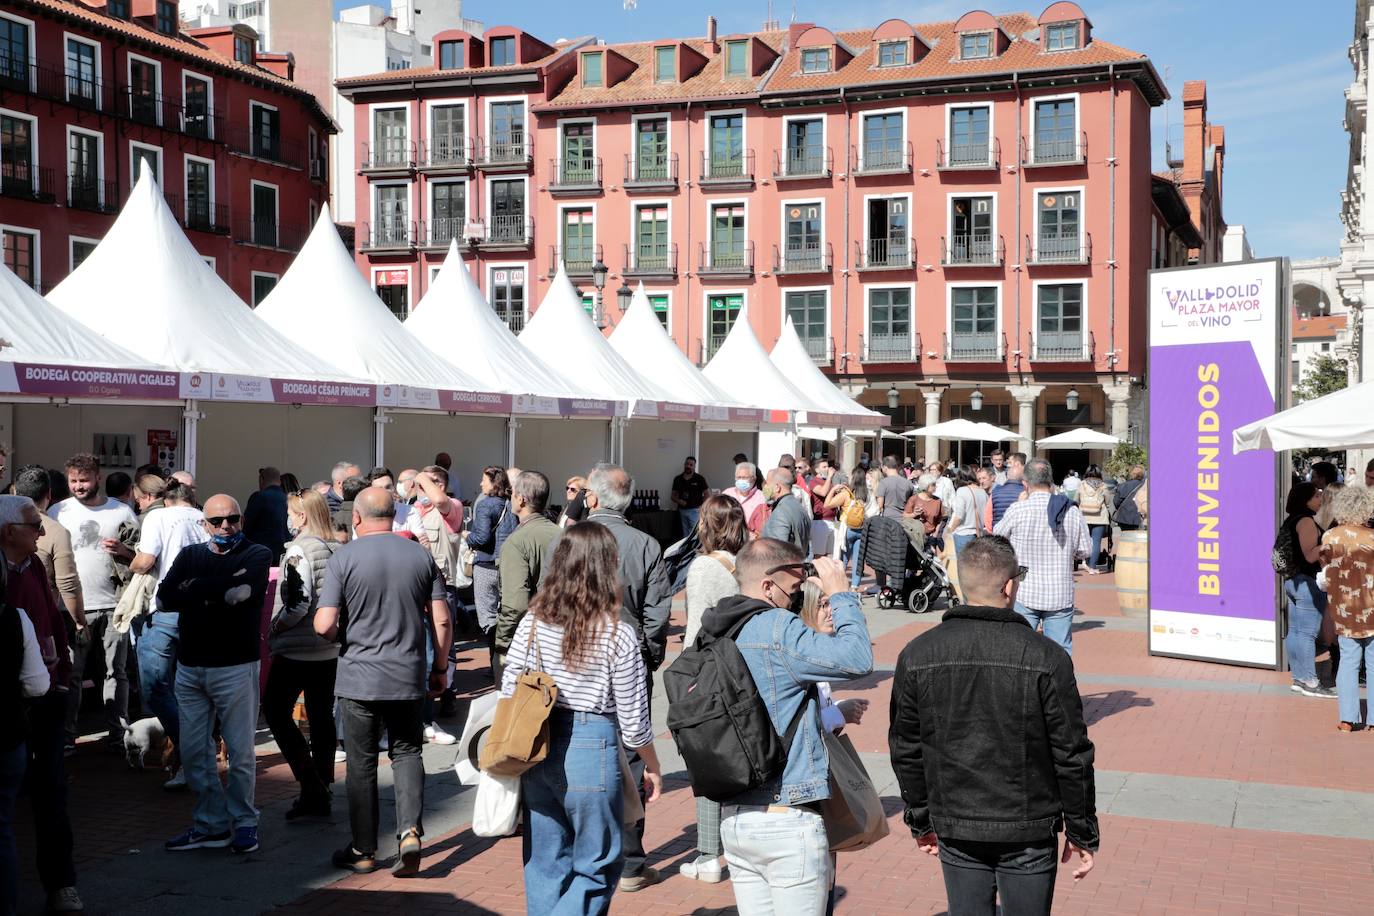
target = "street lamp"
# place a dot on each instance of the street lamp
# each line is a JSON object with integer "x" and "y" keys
{"x": 893, "y": 397}
{"x": 599, "y": 281}
{"x": 1071, "y": 399}
{"x": 623, "y": 296}
{"x": 975, "y": 400}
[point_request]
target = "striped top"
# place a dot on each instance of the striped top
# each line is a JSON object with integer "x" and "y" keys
{"x": 611, "y": 681}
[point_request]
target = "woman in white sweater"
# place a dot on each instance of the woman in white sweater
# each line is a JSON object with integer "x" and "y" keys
{"x": 723, "y": 533}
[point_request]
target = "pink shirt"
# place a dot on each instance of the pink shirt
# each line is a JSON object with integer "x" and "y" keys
{"x": 748, "y": 503}
{"x": 453, "y": 518}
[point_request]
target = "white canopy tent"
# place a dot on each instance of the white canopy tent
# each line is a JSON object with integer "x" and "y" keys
{"x": 961, "y": 430}
{"x": 1340, "y": 420}
{"x": 791, "y": 359}
{"x": 1079, "y": 439}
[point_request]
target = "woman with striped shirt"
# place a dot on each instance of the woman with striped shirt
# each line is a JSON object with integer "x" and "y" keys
{"x": 572, "y": 801}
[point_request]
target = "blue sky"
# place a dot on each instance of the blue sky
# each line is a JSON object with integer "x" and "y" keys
{"x": 1275, "y": 78}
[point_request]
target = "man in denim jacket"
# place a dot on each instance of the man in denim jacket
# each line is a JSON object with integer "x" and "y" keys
{"x": 774, "y": 838}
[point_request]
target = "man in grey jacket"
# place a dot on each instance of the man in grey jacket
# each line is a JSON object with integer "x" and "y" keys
{"x": 788, "y": 520}
{"x": 648, "y": 601}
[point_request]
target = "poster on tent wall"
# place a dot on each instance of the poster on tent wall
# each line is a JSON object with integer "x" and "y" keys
{"x": 1215, "y": 365}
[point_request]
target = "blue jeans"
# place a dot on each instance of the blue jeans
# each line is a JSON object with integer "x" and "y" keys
{"x": 961, "y": 541}
{"x": 572, "y": 807}
{"x": 690, "y": 517}
{"x": 1306, "y": 604}
{"x": 779, "y": 861}
{"x": 1348, "y": 675}
{"x": 156, "y": 646}
{"x": 1096, "y": 532}
{"x": 1057, "y": 625}
{"x": 12, "y": 765}
{"x": 230, "y": 693}
{"x": 853, "y": 546}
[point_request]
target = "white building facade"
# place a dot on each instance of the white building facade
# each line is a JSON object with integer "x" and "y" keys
{"x": 1355, "y": 275}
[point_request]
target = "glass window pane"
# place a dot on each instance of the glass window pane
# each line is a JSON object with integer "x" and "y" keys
{"x": 736, "y": 56}
{"x": 665, "y": 64}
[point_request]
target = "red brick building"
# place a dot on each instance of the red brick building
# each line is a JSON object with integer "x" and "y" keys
{"x": 92, "y": 93}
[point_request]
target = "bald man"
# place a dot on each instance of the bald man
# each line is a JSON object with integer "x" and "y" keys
{"x": 219, "y": 587}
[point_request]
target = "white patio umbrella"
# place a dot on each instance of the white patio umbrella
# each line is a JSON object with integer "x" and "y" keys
{"x": 1342, "y": 419}
{"x": 961, "y": 430}
{"x": 1079, "y": 438}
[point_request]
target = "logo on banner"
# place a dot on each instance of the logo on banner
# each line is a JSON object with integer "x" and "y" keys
{"x": 1213, "y": 306}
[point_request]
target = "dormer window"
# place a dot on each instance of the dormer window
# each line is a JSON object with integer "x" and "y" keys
{"x": 243, "y": 50}
{"x": 118, "y": 9}
{"x": 893, "y": 54}
{"x": 1061, "y": 36}
{"x": 815, "y": 60}
{"x": 451, "y": 56}
{"x": 167, "y": 17}
{"x": 593, "y": 69}
{"x": 975, "y": 45}
{"x": 737, "y": 58}
{"x": 665, "y": 64}
{"x": 501, "y": 51}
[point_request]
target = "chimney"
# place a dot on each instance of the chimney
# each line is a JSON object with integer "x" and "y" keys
{"x": 795, "y": 30}
{"x": 711, "y": 34}
{"x": 1194, "y": 130}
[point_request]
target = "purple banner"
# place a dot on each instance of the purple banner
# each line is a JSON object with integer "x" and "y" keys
{"x": 475, "y": 402}
{"x": 585, "y": 407}
{"x": 335, "y": 394}
{"x": 671, "y": 410}
{"x": 91, "y": 382}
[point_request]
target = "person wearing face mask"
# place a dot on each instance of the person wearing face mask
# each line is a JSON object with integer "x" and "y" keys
{"x": 219, "y": 588}
{"x": 774, "y": 838}
{"x": 744, "y": 492}
{"x": 302, "y": 660}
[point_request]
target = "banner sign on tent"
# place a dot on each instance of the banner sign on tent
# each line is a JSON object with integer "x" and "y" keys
{"x": 404, "y": 396}
{"x": 1214, "y": 366}
{"x": 338, "y": 394}
{"x": 670, "y": 410}
{"x": 89, "y": 382}
{"x": 219, "y": 387}
{"x": 533, "y": 404}
{"x": 475, "y": 402}
{"x": 590, "y": 407}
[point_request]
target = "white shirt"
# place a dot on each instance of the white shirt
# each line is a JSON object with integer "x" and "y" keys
{"x": 89, "y": 525}
{"x": 944, "y": 491}
{"x": 404, "y": 513}
{"x": 165, "y": 532}
{"x": 33, "y": 674}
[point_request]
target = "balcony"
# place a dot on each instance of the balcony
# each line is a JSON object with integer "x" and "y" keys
{"x": 983, "y": 347}
{"x": 446, "y": 153}
{"x": 971, "y": 250}
{"x": 507, "y": 233}
{"x": 1059, "y": 248}
{"x": 267, "y": 233}
{"x": 387, "y": 236}
{"x": 818, "y": 348}
{"x": 513, "y": 320}
{"x": 149, "y": 108}
{"x": 1051, "y": 152}
{"x": 655, "y": 262}
{"x": 203, "y": 123}
{"x": 893, "y": 253}
{"x": 722, "y": 262}
{"x": 810, "y": 259}
{"x": 889, "y": 159}
{"x": 394, "y": 158}
{"x": 658, "y": 173}
{"x": 574, "y": 176}
{"x": 86, "y": 192}
{"x": 892, "y": 348}
{"x": 1062, "y": 347}
{"x": 801, "y": 164}
{"x": 26, "y": 181}
{"x": 967, "y": 157}
{"x": 505, "y": 153}
{"x": 576, "y": 261}
{"x": 267, "y": 147}
{"x": 726, "y": 173}
{"x": 200, "y": 215}
{"x": 438, "y": 233}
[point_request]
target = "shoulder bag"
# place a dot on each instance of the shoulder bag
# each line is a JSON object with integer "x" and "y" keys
{"x": 519, "y": 735}
{"x": 853, "y": 814}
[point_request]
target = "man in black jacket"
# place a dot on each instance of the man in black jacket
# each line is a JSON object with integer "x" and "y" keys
{"x": 990, "y": 748}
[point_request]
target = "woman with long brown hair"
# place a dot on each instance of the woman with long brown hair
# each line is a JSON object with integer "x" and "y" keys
{"x": 573, "y": 632}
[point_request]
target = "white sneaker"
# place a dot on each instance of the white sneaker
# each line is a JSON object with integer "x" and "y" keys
{"x": 435, "y": 733}
{"x": 340, "y": 756}
{"x": 178, "y": 780}
{"x": 702, "y": 869}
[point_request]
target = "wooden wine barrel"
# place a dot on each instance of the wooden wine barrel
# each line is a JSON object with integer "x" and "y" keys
{"x": 1133, "y": 573}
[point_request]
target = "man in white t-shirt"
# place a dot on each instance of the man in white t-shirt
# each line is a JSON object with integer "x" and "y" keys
{"x": 94, "y": 521}
{"x": 177, "y": 524}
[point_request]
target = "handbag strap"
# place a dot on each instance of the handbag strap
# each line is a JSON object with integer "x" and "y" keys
{"x": 533, "y": 644}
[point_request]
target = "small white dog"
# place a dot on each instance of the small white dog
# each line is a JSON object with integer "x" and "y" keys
{"x": 143, "y": 738}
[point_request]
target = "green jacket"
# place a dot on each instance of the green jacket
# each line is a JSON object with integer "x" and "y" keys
{"x": 522, "y": 559}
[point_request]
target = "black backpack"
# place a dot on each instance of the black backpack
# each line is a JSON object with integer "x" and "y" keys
{"x": 719, "y": 721}
{"x": 1283, "y": 557}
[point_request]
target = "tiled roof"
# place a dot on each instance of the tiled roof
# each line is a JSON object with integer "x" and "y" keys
{"x": 1023, "y": 54}
{"x": 433, "y": 72}
{"x": 640, "y": 86}
{"x": 1318, "y": 326}
{"x": 176, "y": 44}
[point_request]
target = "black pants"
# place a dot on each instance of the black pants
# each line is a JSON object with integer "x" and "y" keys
{"x": 632, "y": 835}
{"x": 363, "y": 721}
{"x": 47, "y": 785}
{"x": 975, "y": 873}
{"x": 312, "y": 765}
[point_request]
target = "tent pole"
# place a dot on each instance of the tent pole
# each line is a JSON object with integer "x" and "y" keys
{"x": 380, "y": 420}
{"x": 190, "y": 419}
{"x": 696, "y": 442}
{"x": 512, "y": 425}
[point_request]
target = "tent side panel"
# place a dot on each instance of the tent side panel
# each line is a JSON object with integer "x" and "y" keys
{"x": 654, "y": 450}
{"x": 561, "y": 449}
{"x": 412, "y": 441}
{"x": 718, "y": 449}
{"x": 49, "y": 435}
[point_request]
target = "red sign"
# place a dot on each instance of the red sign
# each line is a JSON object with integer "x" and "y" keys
{"x": 393, "y": 278}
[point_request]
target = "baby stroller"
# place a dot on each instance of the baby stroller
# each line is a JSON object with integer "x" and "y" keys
{"x": 915, "y": 577}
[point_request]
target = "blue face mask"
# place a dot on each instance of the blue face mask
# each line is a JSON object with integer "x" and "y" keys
{"x": 227, "y": 541}
{"x": 744, "y": 485}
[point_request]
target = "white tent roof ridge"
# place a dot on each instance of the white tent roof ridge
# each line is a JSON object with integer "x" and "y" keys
{"x": 1343, "y": 419}
{"x": 454, "y": 309}
{"x": 644, "y": 343}
{"x": 323, "y": 289}
{"x": 187, "y": 317}
{"x": 741, "y": 363}
{"x": 791, "y": 358}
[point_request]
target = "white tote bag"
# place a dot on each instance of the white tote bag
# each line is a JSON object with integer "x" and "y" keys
{"x": 498, "y": 805}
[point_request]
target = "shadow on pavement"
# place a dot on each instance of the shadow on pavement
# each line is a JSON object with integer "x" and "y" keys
{"x": 359, "y": 900}
{"x": 1098, "y": 706}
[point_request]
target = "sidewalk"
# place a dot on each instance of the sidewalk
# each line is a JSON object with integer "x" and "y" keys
{"x": 1220, "y": 792}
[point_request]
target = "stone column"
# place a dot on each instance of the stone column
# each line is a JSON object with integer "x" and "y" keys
{"x": 1118, "y": 405}
{"x": 932, "y": 450}
{"x": 1025, "y": 396}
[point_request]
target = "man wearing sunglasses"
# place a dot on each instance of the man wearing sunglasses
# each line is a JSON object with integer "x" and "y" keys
{"x": 219, "y": 588}
{"x": 984, "y": 687}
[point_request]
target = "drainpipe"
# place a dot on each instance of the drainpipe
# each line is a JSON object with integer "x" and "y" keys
{"x": 1016, "y": 239}
{"x": 844, "y": 302}
{"x": 687, "y": 245}
{"x": 1111, "y": 228}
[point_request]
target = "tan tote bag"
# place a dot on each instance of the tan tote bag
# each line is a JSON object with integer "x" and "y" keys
{"x": 853, "y": 814}
{"x": 519, "y": 736}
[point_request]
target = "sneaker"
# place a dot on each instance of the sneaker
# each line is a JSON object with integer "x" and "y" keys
{"x": 647, "y": 878}
{"x": 309, "y": 806}
{"x": 194, "y": 839}
{"x": 435, "y": 734}
{"x": 177, "y": 782}
{"x": 705, "y": 868}
{"x": 68, "y": 748}
{"x": 408, "y": 860}
{"x": 341, "y": 756}
{"x": 65, "y": 900}
{"x": 1318, "y": 691}
{"x": 352, "y": 860}
{"x": 245, "y": 840}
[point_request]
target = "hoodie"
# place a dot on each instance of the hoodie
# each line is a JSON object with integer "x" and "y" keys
{"x": 1059, "y": 504}
{"x": 730, "y": 612}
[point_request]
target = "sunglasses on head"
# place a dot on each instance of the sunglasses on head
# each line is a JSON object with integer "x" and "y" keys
{"x": 214, "y": 521}
{"x": 1020, "y": 575}
{"x": 806, "y": 570}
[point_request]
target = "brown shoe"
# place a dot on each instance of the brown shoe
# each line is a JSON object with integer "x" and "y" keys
{"x": 349, "y": 858}
{"x": 408, "y": 861}
{"x": 647, "y": 878}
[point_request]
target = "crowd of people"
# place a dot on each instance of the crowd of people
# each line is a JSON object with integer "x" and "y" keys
{"x": 359, "y": 586}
